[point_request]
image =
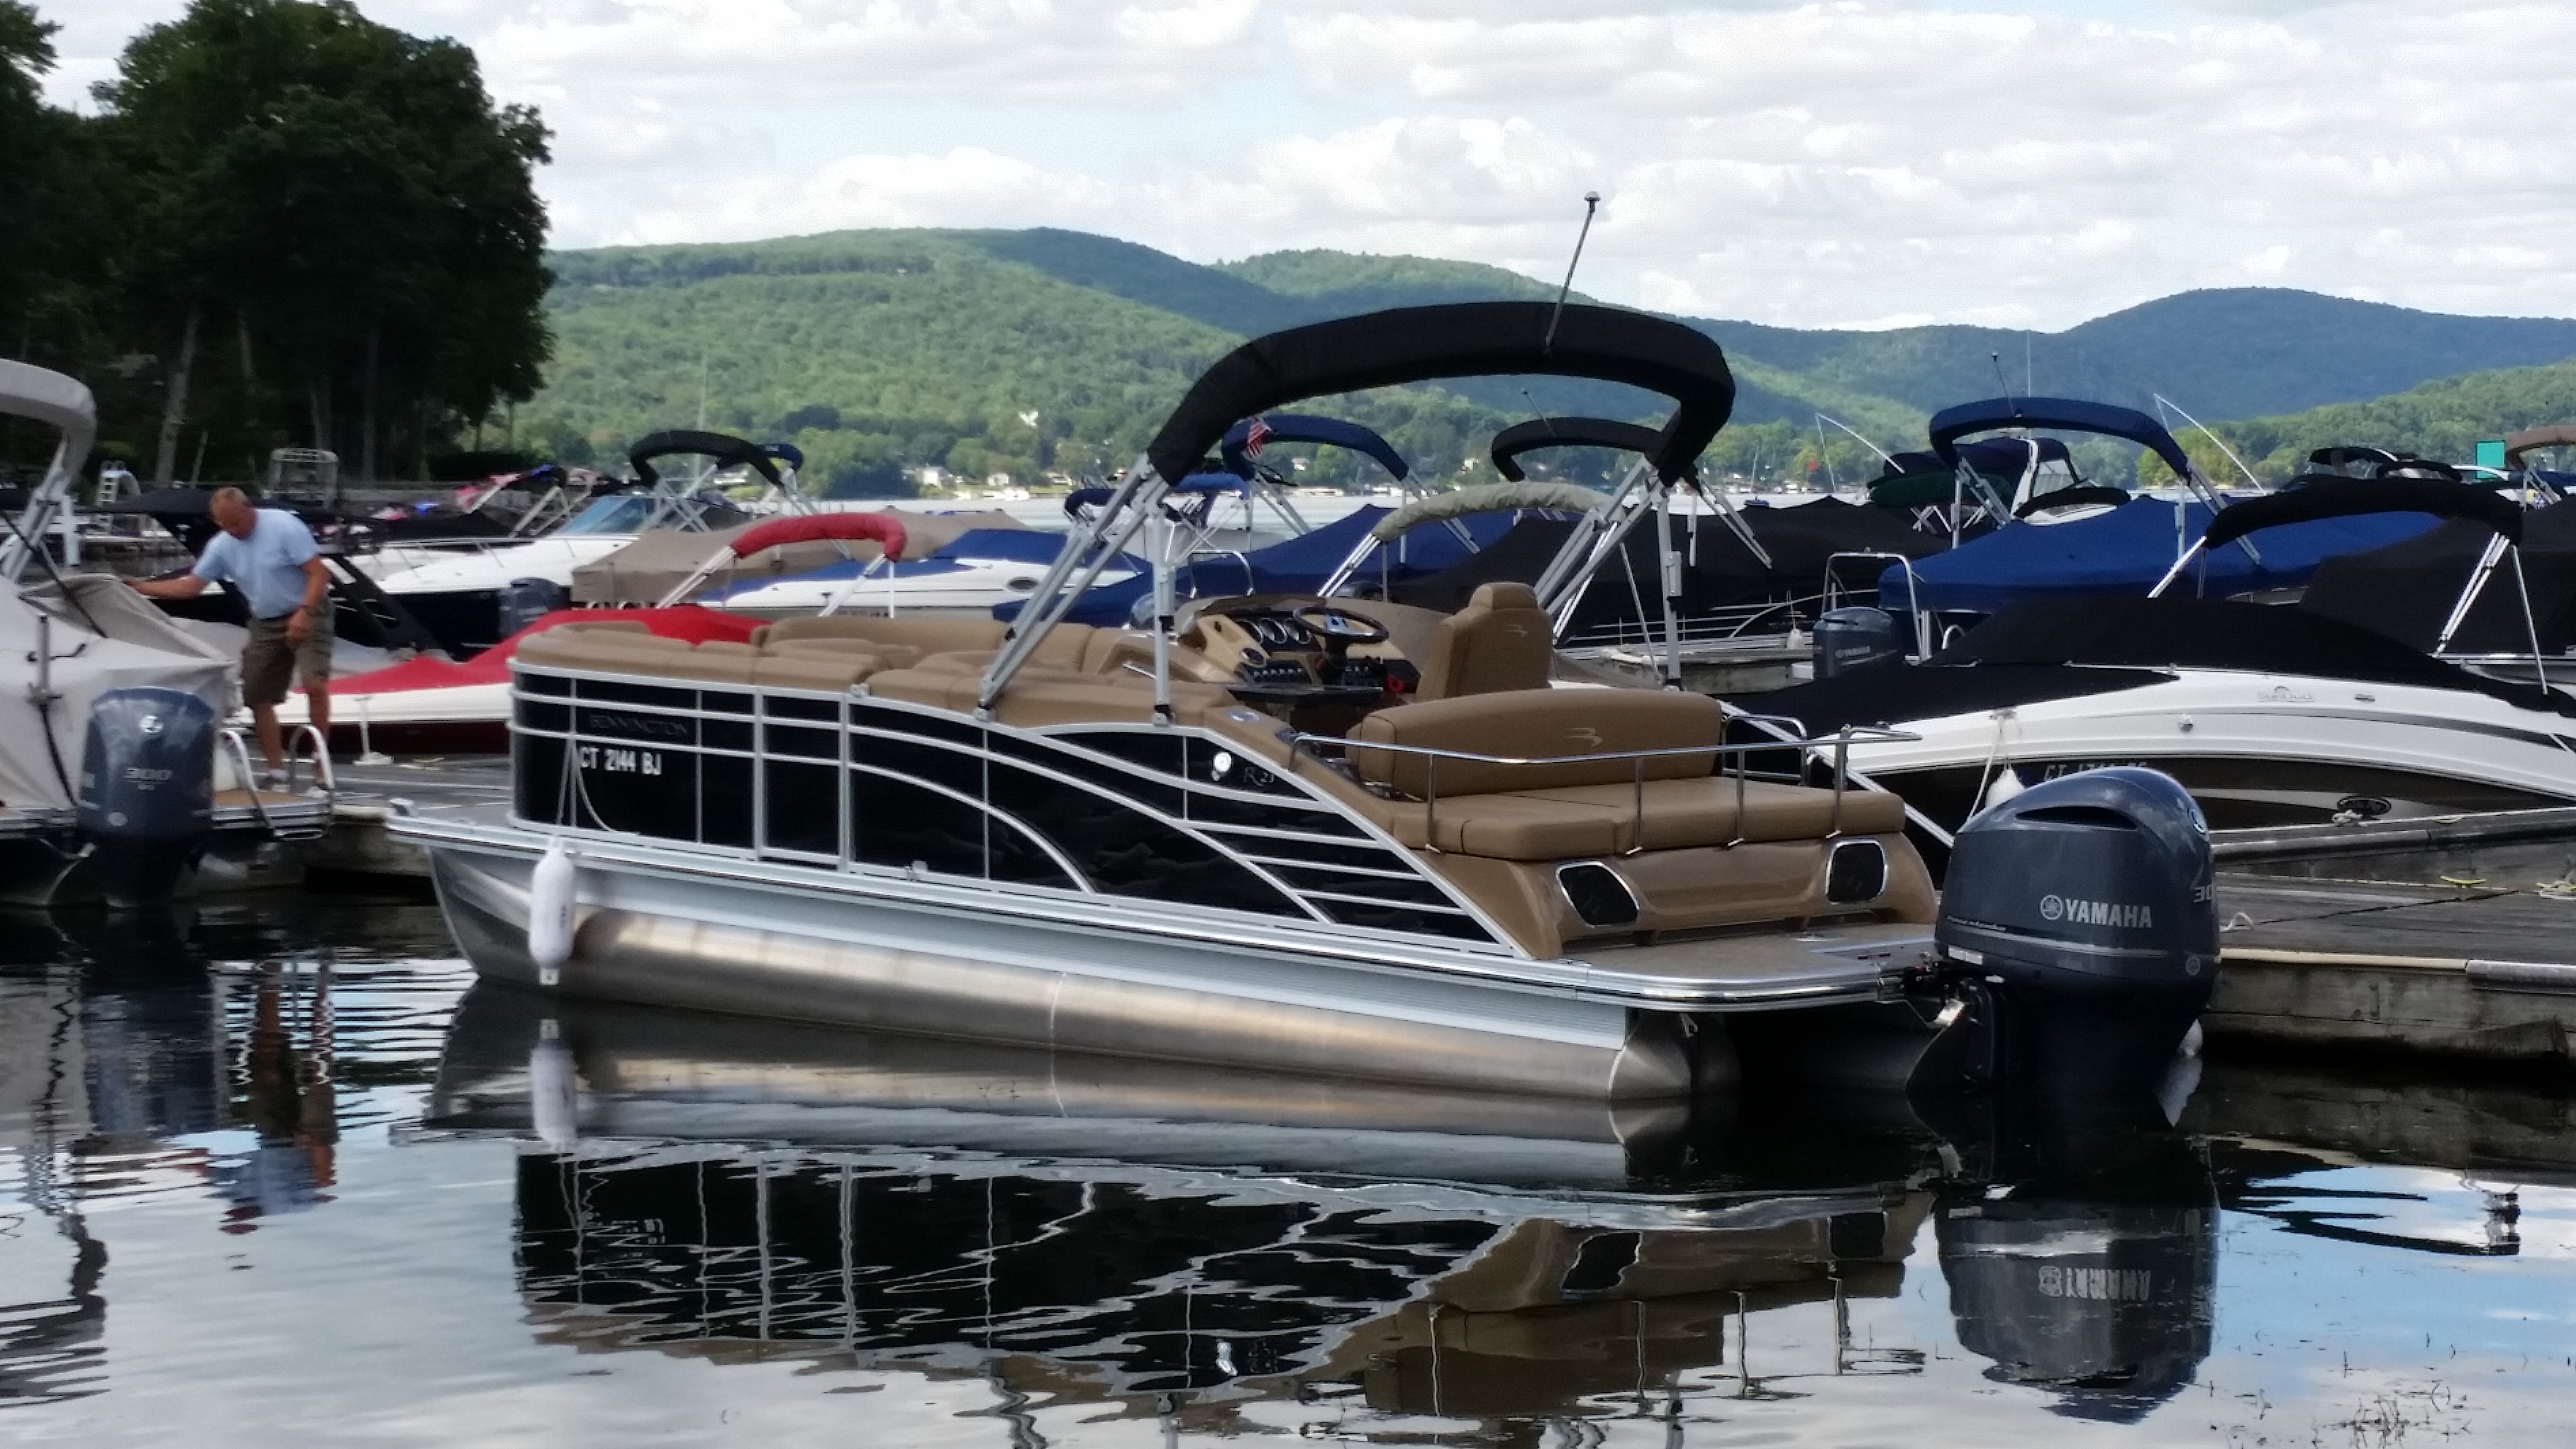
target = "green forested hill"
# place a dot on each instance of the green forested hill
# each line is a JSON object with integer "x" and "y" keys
{"x": 2443, "y": 419}
{"x": 881, "y": 351}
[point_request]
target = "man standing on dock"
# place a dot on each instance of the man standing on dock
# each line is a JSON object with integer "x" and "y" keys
{"x": 269, "y": 556}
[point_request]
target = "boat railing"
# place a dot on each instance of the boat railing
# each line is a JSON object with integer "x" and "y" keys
{"x": 298, "y": 740}
{"x": 1840, "y": 742}
{"x": 1913, "y": 591}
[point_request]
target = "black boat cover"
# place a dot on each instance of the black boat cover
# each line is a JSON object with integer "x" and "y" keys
{"x": 1462, "y": 339}
{"x": 2405, "y": 590}
{"x": 2353, "y": 497}
{"x": 2177, "y": 632}
{"x": 1719, "y": 572}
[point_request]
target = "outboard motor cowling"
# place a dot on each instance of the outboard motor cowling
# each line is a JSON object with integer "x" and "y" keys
{"x": 2088, "y": 906}
{"x": 147, "y": 789}
{"x": 1854, "y": 638}
{"x": 522, "y": 602}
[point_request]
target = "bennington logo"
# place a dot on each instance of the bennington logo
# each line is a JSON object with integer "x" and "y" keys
{"x": 2096, "y": 913}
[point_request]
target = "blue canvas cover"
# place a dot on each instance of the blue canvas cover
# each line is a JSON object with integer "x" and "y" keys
{"x": 1295, "y": 565}
{"x": 2124, "y": 552}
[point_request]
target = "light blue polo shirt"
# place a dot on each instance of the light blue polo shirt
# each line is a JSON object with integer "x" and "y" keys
{"x": 268, "y": 566}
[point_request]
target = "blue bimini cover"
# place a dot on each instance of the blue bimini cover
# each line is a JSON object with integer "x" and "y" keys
{"x": 1295, "y": 565}
{"x": 2124, "y": 552}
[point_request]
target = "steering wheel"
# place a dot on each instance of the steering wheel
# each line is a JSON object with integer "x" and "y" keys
{"x": 1340, "y": 627}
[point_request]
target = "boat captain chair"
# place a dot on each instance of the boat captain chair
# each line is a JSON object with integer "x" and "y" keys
{"x": 1502, "y": 641}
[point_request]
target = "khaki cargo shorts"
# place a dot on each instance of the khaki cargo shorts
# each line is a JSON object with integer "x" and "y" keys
{"x": 271, "y": 660}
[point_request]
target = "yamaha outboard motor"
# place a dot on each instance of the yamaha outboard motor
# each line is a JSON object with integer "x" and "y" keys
{"x": 522, "y": 602}
{"x": 2083, "y": 916}
{"x": 1854, "y": 638}
{"x": 147, "y": 790}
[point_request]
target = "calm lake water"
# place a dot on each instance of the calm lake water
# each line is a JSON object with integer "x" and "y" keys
{"x": 274, "y": 1177}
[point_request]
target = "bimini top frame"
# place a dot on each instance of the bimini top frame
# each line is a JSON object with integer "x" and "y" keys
{"x": 2070, "y": 415}
{"x": 44, "y": 396}
{"x": 675, "y": 505}
{"x": 1380, "y": 349}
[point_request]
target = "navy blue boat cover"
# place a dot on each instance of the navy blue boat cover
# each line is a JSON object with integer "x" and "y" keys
{"x": 2124, "y": 552}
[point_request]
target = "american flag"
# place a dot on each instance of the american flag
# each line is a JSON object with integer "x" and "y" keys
{"x": 1254, "y": 437}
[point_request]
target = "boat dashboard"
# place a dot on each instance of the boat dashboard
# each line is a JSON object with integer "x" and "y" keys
{"x": 1296, "y": 651}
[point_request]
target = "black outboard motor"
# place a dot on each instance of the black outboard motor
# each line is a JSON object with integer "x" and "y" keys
{"x": 522, "y": 602}
{"x": 147, "y": 790}
{"x": 2085, "y": 908}
{"x": 1854, "y": 638}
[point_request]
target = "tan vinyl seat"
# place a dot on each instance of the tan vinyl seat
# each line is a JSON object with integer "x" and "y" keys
{"x": 621, "y": 648}
{"x": 1501, "y": 641}
{"x": 931, "y": 634}
{"x": 1040, "y": 695}
{"x": 829, "y": 673}
{"x": 1562, "y": 808}
{"x": 1543, "y": 724}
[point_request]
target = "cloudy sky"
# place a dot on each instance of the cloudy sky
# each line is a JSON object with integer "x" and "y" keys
{"x": 1869, "y": 163}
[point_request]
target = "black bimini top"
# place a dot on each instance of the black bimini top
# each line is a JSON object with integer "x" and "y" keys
{"x": 726, "y": 449}
{"x": 1463, "y": 339}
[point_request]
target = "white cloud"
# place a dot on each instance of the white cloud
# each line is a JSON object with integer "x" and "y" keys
{"x": 1838, "y": 162}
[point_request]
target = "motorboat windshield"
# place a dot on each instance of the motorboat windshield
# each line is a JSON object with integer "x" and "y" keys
{"x": 623, "y": 513}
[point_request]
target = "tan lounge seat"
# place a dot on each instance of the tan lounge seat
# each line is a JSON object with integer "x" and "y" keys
{"x": 1564, "y": 808}
{"x": 1501, "y": 641}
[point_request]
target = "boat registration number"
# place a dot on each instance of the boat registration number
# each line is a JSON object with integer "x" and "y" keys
{"x": 621, "y": 762}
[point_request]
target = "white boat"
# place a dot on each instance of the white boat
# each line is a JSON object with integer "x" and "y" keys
{"x": 1278, "y": 839}
{"x": 117, "y": 780}
{"x": 2271, "y": 715}
{"x": 459, "y": 596}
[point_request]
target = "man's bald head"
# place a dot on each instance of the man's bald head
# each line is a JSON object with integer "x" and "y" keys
{"x": 232, "y": 511}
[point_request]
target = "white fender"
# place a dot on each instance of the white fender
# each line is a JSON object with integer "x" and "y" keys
{"x": 2007, "y": 784}
{"x": 552, "y": 894}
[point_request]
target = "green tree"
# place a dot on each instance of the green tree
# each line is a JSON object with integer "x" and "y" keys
{"x": 353, "y": 202}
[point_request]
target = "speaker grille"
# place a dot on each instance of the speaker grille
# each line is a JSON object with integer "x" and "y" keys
{"x": 1597, "y": 894}
{"x": 1857, "y": 872}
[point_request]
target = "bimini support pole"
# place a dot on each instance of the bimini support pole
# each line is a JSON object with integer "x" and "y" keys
{"x": 1594, "y": 535}
{"x": 2488, "y": 558}
{"x": 1139, "y": 496}
{"x": 2175, "y": 572}
{"x": 1670, "y": 568}
{"x": 1160, "y": 535}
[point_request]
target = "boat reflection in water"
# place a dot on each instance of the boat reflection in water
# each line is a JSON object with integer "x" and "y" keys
{"x": 1178, "y": 1241}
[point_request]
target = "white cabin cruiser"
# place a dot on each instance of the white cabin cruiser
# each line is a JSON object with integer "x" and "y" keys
{"x": 2269, "y": 714}
{"x": 1282, "y": 841}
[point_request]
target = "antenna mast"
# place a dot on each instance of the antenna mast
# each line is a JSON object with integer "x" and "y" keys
{"x": 1591, "y": 204}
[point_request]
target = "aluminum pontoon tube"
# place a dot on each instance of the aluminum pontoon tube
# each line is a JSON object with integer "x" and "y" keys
{"x": 951, "y": 975}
